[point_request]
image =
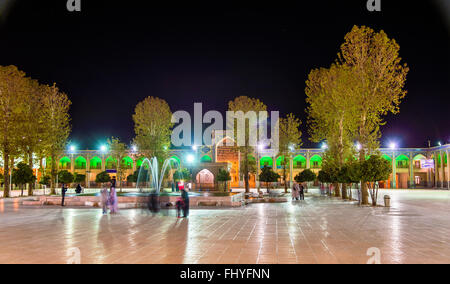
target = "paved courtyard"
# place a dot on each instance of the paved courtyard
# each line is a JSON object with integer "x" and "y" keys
{"x": 416, "y": 229}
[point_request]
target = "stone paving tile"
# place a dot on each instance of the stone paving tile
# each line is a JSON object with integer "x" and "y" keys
{"x": 416, "y": 229}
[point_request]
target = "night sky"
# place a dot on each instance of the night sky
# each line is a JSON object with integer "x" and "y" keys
{"x": 113, "y": 54}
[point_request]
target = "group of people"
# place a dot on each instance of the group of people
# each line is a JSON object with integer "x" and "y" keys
{"x": 298, "y": 191}
{"x": 109, "y": 199}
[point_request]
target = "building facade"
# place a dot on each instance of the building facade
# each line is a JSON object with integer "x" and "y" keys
{"x": 411, "y": 167}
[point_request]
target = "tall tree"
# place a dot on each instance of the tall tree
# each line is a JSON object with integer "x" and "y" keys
{"x": 332, "y": 111}
{"x": 31, "y": 125}
{"x": 246, "y": 104}
{"x": 290, "y": 139}
{"x": 13, "y": 90}
{"x": 56, "y": 125}
{"x": 376, "y": 64}
{"x": 152, "y": 125}
{"x": 119, "y": 151}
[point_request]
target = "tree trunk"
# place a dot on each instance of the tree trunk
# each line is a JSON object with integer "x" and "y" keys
{"x": 344, "y": 191}
{"x": 246, "y": 177}
{"x": 53, "y": 174}
{"x": 364, "y": 190}
{"x": 30, "y": 163}
{"x": 337, "y": 191}
{"x": 285, "y": 179}
{"x": 350, "y": 193}
{"x": 6, "y": 174}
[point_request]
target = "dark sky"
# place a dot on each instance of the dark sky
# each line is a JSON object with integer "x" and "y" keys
{"x": 113, "y": 54}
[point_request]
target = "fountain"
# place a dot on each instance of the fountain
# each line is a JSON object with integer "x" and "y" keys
{"x": 151, "y": 177}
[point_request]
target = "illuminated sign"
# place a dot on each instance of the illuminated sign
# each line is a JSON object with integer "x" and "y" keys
{"x": 427, "y": 164}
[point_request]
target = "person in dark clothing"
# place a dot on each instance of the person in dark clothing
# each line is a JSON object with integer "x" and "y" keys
{"x": 78, "y": 189}
{"x": 153, "y": 203}
{"x": 63, "y": 193}
{"x": 302, "y": 192}
{"x": 185, "y": 197}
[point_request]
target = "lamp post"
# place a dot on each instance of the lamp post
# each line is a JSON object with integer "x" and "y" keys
{"x": 393, "y": 146}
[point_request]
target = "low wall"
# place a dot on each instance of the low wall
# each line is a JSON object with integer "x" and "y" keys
{"x": 235, "y": 200}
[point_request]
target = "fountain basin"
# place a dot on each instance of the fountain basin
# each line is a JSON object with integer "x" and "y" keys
{"x": 139, "y": 200}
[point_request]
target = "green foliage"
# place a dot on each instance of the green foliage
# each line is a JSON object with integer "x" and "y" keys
{"x": 268, "y": 175}
{"x": 45, "y": 180}
{"x": 251, "y": 164}
{"x": 23, "y": 174}
{"x": 183, "y": 174}
{"x": 65, "y": 177}
{"x": 131, "y": 178}
{"x": 375, "y": 169}
{"x": 223, "y": 175}
{"x": 305, "y": 176}
{"x": 152, "y": 125}
{"x": 324, "y": 177}
{"x": 79, "y": 178}
{"x": 102, "y": 177}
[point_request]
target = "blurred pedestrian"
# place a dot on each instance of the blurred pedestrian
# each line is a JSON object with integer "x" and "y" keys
{"x": 105, "y": 199}
{"x": 185, "y": 197}
{"x": 113, "y": 202}
{"x": 63, "y": 193}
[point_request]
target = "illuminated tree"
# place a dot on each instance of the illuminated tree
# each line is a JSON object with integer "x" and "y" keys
{"x": 56, "y": 125}
{"x": 372, "y": 171}
{"x": 246, "y": 104}
{"x": 223, "y": 176}
{"x": 152, "y": 125}
{"x": 376, "y": 66}
{"x": 290, "y": 139}
{"x": 332, "y": 111}
{"x": 22, "y": 175}
{"x": 119, "y": 151}
{"x": 268, "y": 176}
{"x": 31, "y": 124}
{"x": 13, "y": 90}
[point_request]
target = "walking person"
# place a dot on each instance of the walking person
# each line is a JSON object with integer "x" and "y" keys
{"x": 294, "y": 191}
{"x": 105, "y": 200}
{"x": 185, "y": 197}
{"x": 113, "y": 202}
{"x": 302, "y": 192}
{"x": 63, "y": 193}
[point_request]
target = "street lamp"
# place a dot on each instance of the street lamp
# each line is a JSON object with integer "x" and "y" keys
{"x": 190, "y": 158}
{"x": 103, "y": 148}
{"x": 324, "y": 146}
{"x": 358, "y": 146}
{"x": 392, "y": 145}
{"x": 134, "y": 148}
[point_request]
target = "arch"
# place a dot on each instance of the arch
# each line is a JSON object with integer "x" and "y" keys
{"x": 175, "y": 161}
{"x": 139, "y": 163}
{"x": 386, "y": 157}
{"x": 299, "y": 162}
{"x": 266, "y": 161}
{"x": 127, "y": 163}
{"x": 80, "y": 163}
{"x": 419, "y": 157}
{"x": 402, "y": 161}
{"x": 280, "y": 161}
{"x": 206, "y": 159}
{"x": 225, "y": 139}
{"x": 65, "y": 163}
{"x": 316, "y": 162}
{"x": 110, "y": 163}
{"x": 95, "y": 163}
{"x": 205, "y": 177}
